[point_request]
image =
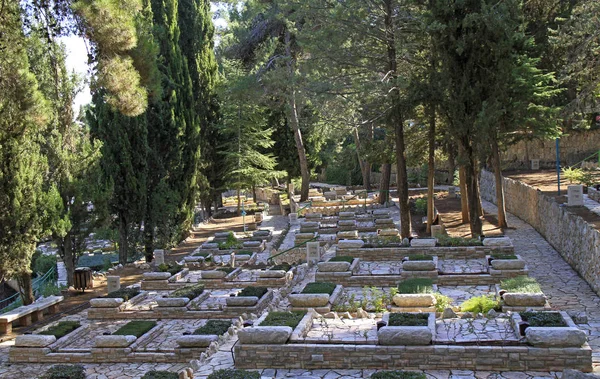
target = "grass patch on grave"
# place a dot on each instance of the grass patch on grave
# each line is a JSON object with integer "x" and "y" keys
{"x": 503, "y": 256}
{"x": 124, "y": 293}
{"x": 342, "y": 258}
{"x": 548, "y": 319}
{"x": 408, "y": 319}
{"x": 419, "y": 257}
{"x": 218, "y": 327}
{"x": 447, "y": 241}
{"x": 135, "y": 328}
{"x": 191, "y": 292}
{"x": 319, "y": 287}
{"x": 234, "y": 374}
{"x": 244, "y": 252}
{"x": 290, "y": 319}
{"x": 521, "y": 284}
{"x": 230, "y": 243}
{"x": 415, "y": 285}
{"x": 228, "y": 270}
{"x": 171, "y": 268}
{"x": 397, "y": 374}
{"x": 61, "y": 329}
{"x": 65, "y": 372}
{"x": 281, "y": 266}
{"x": 253, "y": 291}
{"x": 480, "y": 304}
{"x": 160, "y": 375}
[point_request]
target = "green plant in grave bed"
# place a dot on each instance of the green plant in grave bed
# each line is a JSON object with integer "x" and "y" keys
{"x": 171, "y": 268}
{"x": 218, "y": 327}
{"x": 230, "y": 243}
{"x": 319, "y": 287}
{"x": 442, "y": 302}
{"x": 135, "y": 328}
{"x": 408, "y": 319}
{"x": 448, "y": 241}
{"x": 419, "y": 257}
{"x": 281, "y": 266}
{"x": 548, "y": 319}
{"x": 503, "y": 256}
{"x": 65, "y": 372}
{"x": 291, "y": 319}
{"x": 234, "y": 374}
{"x": 244, "y": 252}
{"x": 521, "y": 284}
{"x": 124, "y": 293}
{"x": 61, "y": 329}
{"x": 160, "y": 375}
{"x": 228, "y": 270}
{"x": 191, "y": 292}
{"x": 342, "y": 258}
{"x": 397, "y": 374}
{"x": 480, "y": 304}
{"x": 415, "y": 285}
{"x": 254, "y": 291}
{"x": 421, "y": 206}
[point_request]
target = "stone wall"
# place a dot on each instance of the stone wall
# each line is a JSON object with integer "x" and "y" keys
{"x": 576, "y": 241}
{"x": 574, "y": 147}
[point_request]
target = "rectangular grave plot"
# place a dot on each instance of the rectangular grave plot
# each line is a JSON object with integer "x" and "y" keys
{"x": 165, "y": 341}
{"x": 459, "y": 294}
{"x": 497, "y": 331}
{"x": 342, "y": 331}
{"x": 463, "y": 266}
{"x": 86, "y": 342}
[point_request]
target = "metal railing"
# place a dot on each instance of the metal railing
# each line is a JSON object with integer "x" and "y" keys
{"x": 270, "y": 259}
{"x": 36, "y": 284}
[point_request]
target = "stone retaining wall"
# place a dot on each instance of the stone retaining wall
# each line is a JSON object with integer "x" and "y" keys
{"x": 432, "y": 357}
{"x": 576, "y": 241}
{"x": 398, "y": 253}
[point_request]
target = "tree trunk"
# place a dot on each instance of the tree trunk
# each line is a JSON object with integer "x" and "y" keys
{"x": 239, "y": 202}
{"x": 69, "y": 258}
{"x": 431, "y": 170}
{"x": 451, "y": 166}
{"x": 384, "y": 186}
{"x": 254, "y": 193}
{"x": 123, "y": 239}
{"x": 464, "y": 196}
{"x": 499, "y": 187}
{"x": 294, "y": 121}
{"x": 473, "y": 192}
{"x": 25, "y": 289}
{"x": 365, "y": 167}
{"x": 148, "y": 240}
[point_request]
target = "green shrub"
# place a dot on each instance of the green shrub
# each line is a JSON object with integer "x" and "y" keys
{"x": 397, "y": 374}
{"x": 230, "y": 243}
{"x": 319, "y": 287}
{"x": 217, "y": 327}
{"x": 135, "y": 328}
{"x": 160, "y": 375}
{"x": 43, "y": 263}
{"x": 125, "y": 293}
{"x": 458, "y": 241}
{"x": 171, "y": 268}
{"x": 549, "y": 319}
{"x": 50, "y": 289}
{"x": 521, "y": 284}
{"x": 234, "y": 374}
{"x": 191, "y": 292}
{"x": 578, "y": 176}
{"x": 442, "y": 302}
{"x": 290, "y": 319}
{"x": 503, "y": 256}
{"x": 419, "y": 257}
{"x": 282, "y": 266}
{"x": 408, "y": 319}
{"x": 416, "y": 285}
{"x": 253, "y": 291}
{"x": 61, "y": 329}
{"x": 421, "y": 206}
{"x": 480, "y": 304}
{"x": 342, "y": 258}
{"x": 228, "y": 270}
{"x": 65, "y": 372}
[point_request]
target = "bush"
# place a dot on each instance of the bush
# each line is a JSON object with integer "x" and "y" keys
{"x": 290, "y": 319}
{"x": 65, "y": 372}
{"x": 61, "y": 329}
{"x": 160, "y": 375}
{"x": 43, "y": 263}
{"x": 503, "y": 256}
{"x": 442, "y": 302}
{"x": 50, "y": 289}
{"x": 191, "y": 292}
{"x": 398, "y": 375}
{"x": 234, "y": 374}
{"x": 521, "y": 284}
{"x": 578, "y": 176}
{"x": 217, "y": 327}
{"x": 230, "y": 243}
{"x": 408, "y": 319}
{"x": 416, "y": 285}
{"x": 124, "y": 293}
{"x": 171, "y": 268}
{"x": 319, "y": 287}
{"x": 253, "y": 291}
{"x": 135, "y": 328}
{"x": 342, "y": 258}
{"x": 458, "y": 241}
{"x": 282, "y": 266}
{"x": 480, "y": 304}
{"x": 550, "y": 319}
{"x": 420, "y": 257}
{"x": 421, "y": 206}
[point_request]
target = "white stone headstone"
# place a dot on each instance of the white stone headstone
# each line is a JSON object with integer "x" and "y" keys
{"x": 452, "y": 192}
{"x": 159, "y": 256}
{"x": 113, "y": 283}
{"x": 535, "y": 164}
{"x": 575, "y": 195}
{"x": 313, "y": 252}
{"x": 232, "y": 259}
{"x": 291, "y": 188}
{"x": 293, "y": 218}
{"x": 437, "y": 231}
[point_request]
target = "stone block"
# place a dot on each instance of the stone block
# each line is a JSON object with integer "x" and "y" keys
{"x": 575, "y": 195}
{"x": 313, "y": 216}
{"x": 574, "y": 374}
{"x": 265, "y": 335}
{"x": 535, "y": 164}
{"x": 210, "y": 246}
{"x": 418, "y": 265}
{"x": 113, "y": 283}
{"x": 156, "y": 275}
{"x": 423, "y": 242}
{"x": 313, "y": 251}
{"x": 508, "y": 264}
{"x": 350, "y": 244}
{"x": 293, "y": 217}
{"x": 172, "y": 301}
{"x": 213, "y": 274}
{"x": 333, "y": 266}
{"x": 404, "y": 335}
{"x": 414, "y": 300}
{"x": 106, "y": 302}
{"x": 389, "y": 233}
{"x": 351, "y": 235}
{"x": 195, "y": 340}
{"x": 349, "y": 223}
{"x": 34, "y": 340}
{"x": 114, "y": 341}
{"x": 524, "y": 299}
{"x": 555, "y": 336}
{"x": 451, "y": 192}
{"x": 384, "y": 221}
{"x": 308, "y": 300}
{"x": 497, "y": 242}
{"x": 252, "y": 244}
{"x": 437, "y": 231}
{"x": 159, "y": 256}
{"x": 275, "y": 274}
{"x": 241, "y": 301}
{"x": 347, "y": 215}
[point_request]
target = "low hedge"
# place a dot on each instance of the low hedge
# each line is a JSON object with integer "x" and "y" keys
{"x": 503, "y": 256}
{"x": 254, "y": 291}
{"x": 191, "y": 292}
{"x": 521, "y": 284}
{"x": 290, "y": 319}
{"x": 65, "y": 372}
{"x": 342, "y": 258}
{"x": 61, "y": 329}
{"x": 135, "y": 328}
{"x": 234, "y": 374}
{"x": 160, "y": 375}
{"x": 415, "y": 285}
{"x": 170, "y": 268}
{"x": 124, "y": 293}
{"x": 319, "y": 287}
{"x": 408, "y": 319}
{"x": 217, "y": 327}
{"x": 281, "y": 266}
{"x": 398, "y": 375}
{"x": 548, "y": 319}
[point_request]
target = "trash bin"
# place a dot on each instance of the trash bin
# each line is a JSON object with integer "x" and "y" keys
{"x": 82, "y": 278}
